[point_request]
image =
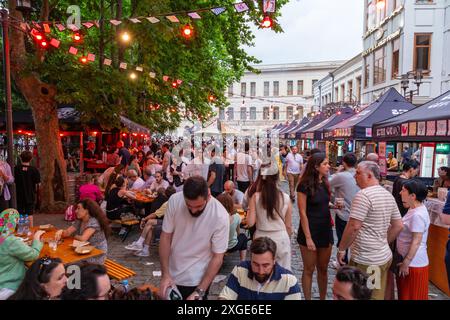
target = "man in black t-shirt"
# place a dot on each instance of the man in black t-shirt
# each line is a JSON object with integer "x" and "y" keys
{"x": 216, "y": 175}
{"x": 27, "y": 180}
{"x": 123, "y": 153}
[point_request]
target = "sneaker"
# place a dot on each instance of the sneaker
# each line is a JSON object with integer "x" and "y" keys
{"x": 142, "y": 253}
{"x": 134, "y": 247}
{"x": 122, "y": 231}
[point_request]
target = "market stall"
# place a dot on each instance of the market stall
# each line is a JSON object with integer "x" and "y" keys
{"x": 358, "y": 128}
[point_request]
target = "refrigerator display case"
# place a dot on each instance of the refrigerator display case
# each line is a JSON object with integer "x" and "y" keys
{"x": 442, "y": 157}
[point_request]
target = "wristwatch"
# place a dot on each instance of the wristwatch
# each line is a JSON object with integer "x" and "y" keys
{"x": 200, "y": 292}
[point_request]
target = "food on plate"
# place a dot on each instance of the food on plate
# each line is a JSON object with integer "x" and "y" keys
{"x": 45, "y": 226}
{"x": 84, "y": 249}
{"x": 77, "y": 243}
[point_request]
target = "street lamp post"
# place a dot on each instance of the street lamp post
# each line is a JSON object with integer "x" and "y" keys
{"x": 417, "y": 76}
{"x": 8, "y": 100}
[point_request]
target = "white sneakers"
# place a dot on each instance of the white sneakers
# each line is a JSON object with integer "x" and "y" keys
{"x": 134, "y": 247}
{"x": 142, "y": 253}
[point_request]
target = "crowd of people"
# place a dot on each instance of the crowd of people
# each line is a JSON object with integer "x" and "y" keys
{"x": 209, "y": 204}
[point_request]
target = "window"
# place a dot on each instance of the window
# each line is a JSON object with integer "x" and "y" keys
{"x": 312, "y": 87}
{"x": 266, "y": 88}
{"x": 230, "y": 113}
{"x": 230, "y": 91}
{"x": 276, "y": 113}
{"x": 379, "y": 70}
{"x": 221, "y": 114}
{"x": 253, "y": 113}
{"x": 252, "y": 89}
{"x": 422, "y": 51}
{"x": 266, "y": 112}
{"x": 243, "y": 89}
{"x": 290, "y": 88}
{"x": 336, "y": 94}
{"x": 350, "y": 90}
{"x": 381, "y": 8}
{"x": 300, "y": 87}
{"x": 366, "y": 71}
{"x": 358, "y": 89}
{"x": 299, "y": 114}
{"x": 276, "y": 88}
{"x": 289, "y": 113}
{"x": 395, "y": 58}
{"x": 243, "y": 113}
{"x": 342, "y": 92}
{"x": 371, "y": 14}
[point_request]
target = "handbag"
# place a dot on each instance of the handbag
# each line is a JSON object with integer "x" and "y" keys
{"x": 396, "y": 259}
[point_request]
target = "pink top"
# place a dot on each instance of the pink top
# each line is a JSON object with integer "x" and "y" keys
{"x": 90, "y": 191}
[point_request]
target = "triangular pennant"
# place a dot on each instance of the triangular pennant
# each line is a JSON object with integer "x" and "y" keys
{"x": 166, "y": 78}
{"x": 73, "y": 50}
{"x": 173, "y": 19}
{"x": 179, "y": 81}
{"x": 72, "y": 27}
{"x": 47, "y": 28}
{"x": 91, "y": 57}
{"x": 97, "y": 23}
{"x": 54, "y": 42}
{"x": 135, "y": 20}
{"x": 153, "y": 19}
{"x": 152, "y": 75}
{"x": 88, "y": 24}
{"x": 123, "y": 65}
{"x": 60, "y": 27}
{"x": 115, "y": 22}
{"x": 139, "y": 69}
{"x": 107, "y": 62}
{"x": 194, "y": 15}
{"x": 37, "y": 25}
{"x": 218, "y": 10}
{"x": 241, "y": 7}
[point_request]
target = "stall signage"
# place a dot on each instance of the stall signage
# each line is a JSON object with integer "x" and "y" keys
{"x": 412, "y": 128}
{"x": 380, "y": 132}
{"x": 369, "y": 132}
{"x": 404, "y": 129}
{"x": 441, "y": 128}
{"x": 391, "y": 131}
{"x": 443, "y": 148}
{"x": 382, "y": 158}
{"x": 308, "y": 135}
{"x": 421, "y": 128}
{"x": 448, "y": 133}
{"x": 431, "y": 128}
{"x": 382, "y": 42}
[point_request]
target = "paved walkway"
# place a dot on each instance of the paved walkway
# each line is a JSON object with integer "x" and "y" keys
{"x": 147, "y": 267}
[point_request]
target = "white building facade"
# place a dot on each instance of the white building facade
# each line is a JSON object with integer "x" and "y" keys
{"x": 404, "y": 36}
{"x": 278, "y": 94}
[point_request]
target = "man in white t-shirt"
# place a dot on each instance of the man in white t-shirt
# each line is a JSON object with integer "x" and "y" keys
{"x": 135, "y": 182}
{"x": 159, "y": 183}
{"x": 292, "y": 169}
{"x": 244, "y": 169}
{"x": 236, "y": 195}
{"x": 374, "y": 222}
{"x": 193, "y": 241}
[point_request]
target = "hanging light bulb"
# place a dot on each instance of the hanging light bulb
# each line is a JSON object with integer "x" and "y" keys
{"x": 84, "y": 59}
{"x": 187, "y": 31}
{"x": 77, "y": 37}
{"x": 267, "y": 22}
{"x": 125, "y": 36}
{"x": 133, "y": 76}
{"x": 381, "y": 4}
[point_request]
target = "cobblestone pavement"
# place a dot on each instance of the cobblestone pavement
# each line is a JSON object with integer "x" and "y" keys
{"x": 145, "y": 267}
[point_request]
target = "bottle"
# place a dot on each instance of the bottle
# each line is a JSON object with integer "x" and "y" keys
{"x": 20, "y": 226}
{"x": 26, "y": 225}
{"x": 125, "y": 285}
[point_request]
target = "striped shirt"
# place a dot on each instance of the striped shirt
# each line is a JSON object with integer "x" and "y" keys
{"x": 242, "y": 285}
{"x": 375, "y": 207}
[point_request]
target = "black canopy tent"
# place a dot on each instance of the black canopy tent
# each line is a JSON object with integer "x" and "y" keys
{"x": 317, "y": 132}
{"x": 359, "y": 126}
{"x": 427, "y": 123}
{"x": 288, "y": 127}
{"x": 302, "y": 123}
{"x": 315, "y": 121}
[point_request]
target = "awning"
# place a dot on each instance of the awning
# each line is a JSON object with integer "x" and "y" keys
{"x": 429, "y": 122}
{"x": 317, "y": 132}
{"x": 287, "y": 134}
{"x": 359, "y": 126}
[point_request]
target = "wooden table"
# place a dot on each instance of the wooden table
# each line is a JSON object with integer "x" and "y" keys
{"x": 142, "y": 197}
{"x": 92, "y": 164}
{"x": 65, "y": 251}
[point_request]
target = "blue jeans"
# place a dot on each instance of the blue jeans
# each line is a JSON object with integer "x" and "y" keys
{"x": 340, "y": 227}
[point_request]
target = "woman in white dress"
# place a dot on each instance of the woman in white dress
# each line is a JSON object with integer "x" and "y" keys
{"x": 271, "y": 210}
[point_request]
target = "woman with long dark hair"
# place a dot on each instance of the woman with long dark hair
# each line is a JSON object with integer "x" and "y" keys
{"x": 118, "y": 171}
{"x": 44, "y": 280}
{"x": 315, "y": 235}
{"x": 271, "y": 210}
{"x": 91, "y": 225}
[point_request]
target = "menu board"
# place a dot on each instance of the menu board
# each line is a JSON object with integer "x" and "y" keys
{"x": 382, "y": 158}
{"x": 421, "y": 127}
{"x": 412, "y": 128}
{"x": 431, "y": 128}
{"x": 426, "y": 165}
{"x": 404, "y": 129}
{"x": 441, "y": 128}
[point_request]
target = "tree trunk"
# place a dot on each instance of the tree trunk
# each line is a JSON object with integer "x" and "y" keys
{"x": 41, "y": 98}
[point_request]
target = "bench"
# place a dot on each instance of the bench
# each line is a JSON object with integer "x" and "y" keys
{"x": 128, "y": 225}
{"x": 117, "y": 271}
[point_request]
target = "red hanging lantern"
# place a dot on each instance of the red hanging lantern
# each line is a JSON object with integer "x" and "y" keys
{"x": 187, "y": 31}
{"x": 84, "y": 60}
{"x": 267, "y": 22}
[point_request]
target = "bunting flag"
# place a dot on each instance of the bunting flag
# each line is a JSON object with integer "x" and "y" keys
{"x": 46, "y": 28}
{"x": 194, "y": 15}
{"x": 107, "y": 62}
{"x": 135, "y": 20}
{"x": 166, "y": 78}
{"x": 37, "y": 25}
{"x": 97, "y": 23}
{"x": 115, "y": 22}
{"x": 55, "y": 43}
{"x": 72, "y": 27}
{"x": 88, "y": 24}
{"x": 123, "y": 65}
{"x": 173, "y": 19}
{"x": 269, "y": 5}
{"x": 73, "y": 50}
{"x": 152, "y": 75}
{"x": 91, "y": 57}
{"x": 241, "y": 7}
{"x": 140, "y": 69}
{"x": 179, "y": 82}
{"x": 153, "y": 19}
{"x": 218, "y": 10}
{"x": 60, "y": 27}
